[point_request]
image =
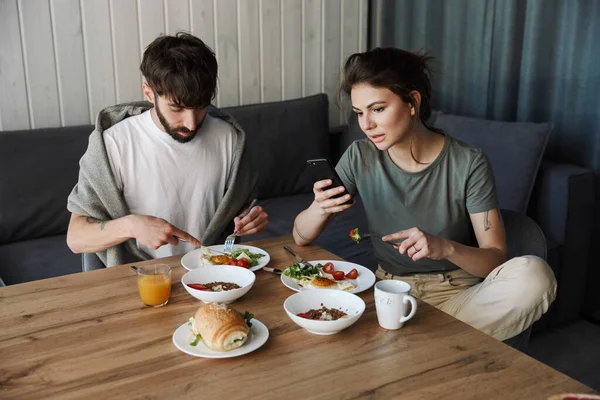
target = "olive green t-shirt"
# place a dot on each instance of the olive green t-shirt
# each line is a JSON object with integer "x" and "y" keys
{"x": 437, "y": 199}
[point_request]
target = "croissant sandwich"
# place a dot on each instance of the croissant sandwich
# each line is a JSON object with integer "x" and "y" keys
{"x": 222, "y": 328}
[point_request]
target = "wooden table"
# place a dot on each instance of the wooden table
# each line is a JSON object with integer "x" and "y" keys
{"x": 88, "y": 335}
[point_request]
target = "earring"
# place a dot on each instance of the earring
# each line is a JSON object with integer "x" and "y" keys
{"x": 412, "y": 111}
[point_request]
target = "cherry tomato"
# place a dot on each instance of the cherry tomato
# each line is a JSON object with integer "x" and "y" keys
{"x": 199, "y": 286}
{"x": 338, "y": 275}
{"x": 303, "y": 315}
{"x": 352, "y": 274}
{"x": 232, "y": 261}
{"x": 242, "y": 262}
{"x": 328, "y": 268}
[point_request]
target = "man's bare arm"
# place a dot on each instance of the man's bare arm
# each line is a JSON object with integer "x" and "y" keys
{"x": 89, "y": 235}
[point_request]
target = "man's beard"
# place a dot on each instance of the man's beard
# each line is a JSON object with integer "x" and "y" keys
{"x": 174, "y": 132}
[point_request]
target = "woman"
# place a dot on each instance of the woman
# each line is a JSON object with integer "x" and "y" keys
{"x": 423, "y": 193}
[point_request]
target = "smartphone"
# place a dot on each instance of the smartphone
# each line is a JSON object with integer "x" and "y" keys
{"x": 323, "y": 169}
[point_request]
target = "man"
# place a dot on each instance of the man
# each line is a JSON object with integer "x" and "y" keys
{"x": 161, "y": 177}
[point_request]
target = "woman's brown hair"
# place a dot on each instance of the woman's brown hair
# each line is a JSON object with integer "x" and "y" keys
{"x": 400, "y": 71}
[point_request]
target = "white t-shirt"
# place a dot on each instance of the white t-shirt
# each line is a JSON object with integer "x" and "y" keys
{"x": 183, "y": 183}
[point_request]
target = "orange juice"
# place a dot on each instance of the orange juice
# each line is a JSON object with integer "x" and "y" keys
{"x": 154, "y": 289}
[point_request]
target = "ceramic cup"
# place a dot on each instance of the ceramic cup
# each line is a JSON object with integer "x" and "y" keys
{"x": 391, "y": 302}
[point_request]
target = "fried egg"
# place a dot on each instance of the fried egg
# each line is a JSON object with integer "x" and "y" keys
{"x": 207, "y": 257}
{"x": 326, "y": 283}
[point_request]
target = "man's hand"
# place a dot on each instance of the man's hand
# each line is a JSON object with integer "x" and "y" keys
{"x": 255, "y": 222}
{"x": 155, "y": 232}
{"x": 418, "y": 244}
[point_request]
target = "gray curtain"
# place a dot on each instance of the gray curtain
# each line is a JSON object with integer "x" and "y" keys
{"x": 513, "y": 60}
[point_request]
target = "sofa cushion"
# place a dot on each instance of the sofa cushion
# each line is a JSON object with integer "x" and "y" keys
{"x": 281, "y": 136}
{"x": 515, "y": 150}
{"x": 38, "y": 169}
{"x": 35, "y": 259}
{"x": 283, "y": 210}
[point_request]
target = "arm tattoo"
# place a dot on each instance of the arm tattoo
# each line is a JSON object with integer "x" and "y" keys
{"x": 486, "y": 221}
{"x": 91, "y": 220}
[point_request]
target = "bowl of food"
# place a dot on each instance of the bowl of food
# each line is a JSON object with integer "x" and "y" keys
{"x": 324, "y": 312}
{"x": 218, "y": 284}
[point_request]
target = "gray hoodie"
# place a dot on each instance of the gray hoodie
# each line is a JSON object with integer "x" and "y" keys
{"x": 97, "y": 196}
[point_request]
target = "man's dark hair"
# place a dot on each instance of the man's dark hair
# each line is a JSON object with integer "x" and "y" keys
{"x": 181, "y": 68}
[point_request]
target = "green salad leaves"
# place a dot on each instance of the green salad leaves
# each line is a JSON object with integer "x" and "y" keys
{"x": 296, "y": 271}
{"x": 253, "y": 258}
{"x": 247, "y": 317}
{"x": 195, "y": 342}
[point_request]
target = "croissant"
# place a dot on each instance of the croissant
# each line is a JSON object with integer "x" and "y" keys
{"x": 222, "y": 328}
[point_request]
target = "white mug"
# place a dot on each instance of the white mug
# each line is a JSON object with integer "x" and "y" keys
{"x": 391, "y": 298}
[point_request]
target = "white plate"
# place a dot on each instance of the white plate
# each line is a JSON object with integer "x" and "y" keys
{"x": 191, "y": 260}
{"x": 257, "y": 336}
{"x": 365, "y": 279}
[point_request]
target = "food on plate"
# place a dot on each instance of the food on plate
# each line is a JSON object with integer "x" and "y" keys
{"x": 219, "y": 260}
{"x": 328, "y": 268}
{"x": 220, "y": 327}
{"x": 321, "y": 276}
{"x": 574, "y": 396}
{"x": 253, "y": 258}
{"x": 355, "y": 235}
{"x": 323, "y": 314}
{"x": 240, "y": 258}
{"x": 297, "y": 271}
{"x": 214, "y": 286}
{"x": 242, "y": 262}
{"x": 352, "y": 274}
{"x": 338, "y": 275}
{"x": 205, "y": 256}
{"x": 325, "y": 283}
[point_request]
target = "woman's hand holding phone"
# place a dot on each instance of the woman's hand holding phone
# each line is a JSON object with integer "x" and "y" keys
{"x": 324, "y": 197}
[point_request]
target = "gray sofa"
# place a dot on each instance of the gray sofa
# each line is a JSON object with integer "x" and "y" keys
{"x": 38, "y": 169}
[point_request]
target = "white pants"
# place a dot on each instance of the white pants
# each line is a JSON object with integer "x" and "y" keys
{"x": 511, "y": 298}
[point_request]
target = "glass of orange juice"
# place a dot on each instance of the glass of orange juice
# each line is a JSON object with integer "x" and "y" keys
{"x": 154, "y": 284}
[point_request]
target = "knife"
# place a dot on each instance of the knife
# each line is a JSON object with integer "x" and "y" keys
{"x": 273, "y": 270}
{"x": 297, "y": 257}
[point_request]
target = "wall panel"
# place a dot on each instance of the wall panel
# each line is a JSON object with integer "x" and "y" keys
{"x": 70, "y": 62}
{"x": 270, "y": 40}
{"x": 14, "y": 107}
{"x": 42, "y": 86}
{"x": 127, "y": 56}
{"x": 292, "y": 48}
{"x": 61, "y": 61}
{"x": 249, "y": 59}
{"x": 99, "y": 62}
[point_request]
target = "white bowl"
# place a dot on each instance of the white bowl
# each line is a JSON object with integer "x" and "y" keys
{"x": 219, "y": 273}
{"x": 303, "y": 301}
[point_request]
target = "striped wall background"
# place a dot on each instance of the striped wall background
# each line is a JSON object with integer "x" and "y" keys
{"x": 61, "y": 61}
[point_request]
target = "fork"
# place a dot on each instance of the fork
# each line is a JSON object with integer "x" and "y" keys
{"x": 367, "y": 235}
{"x": 230, "y": 240}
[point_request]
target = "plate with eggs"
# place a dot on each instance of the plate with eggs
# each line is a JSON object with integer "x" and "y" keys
{"x": 249, "y": 257}
{"x": 328, "y": 274}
